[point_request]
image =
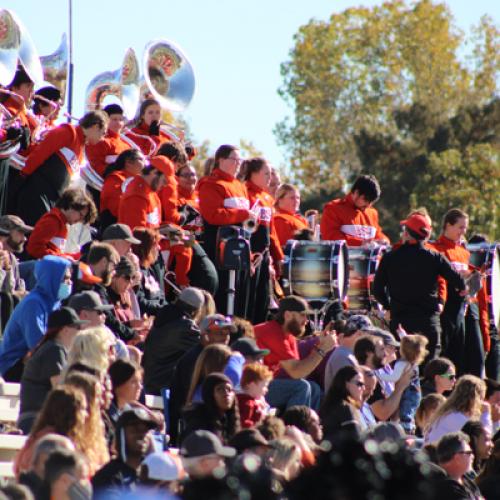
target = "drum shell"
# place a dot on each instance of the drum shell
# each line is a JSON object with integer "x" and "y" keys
{"x": 315, "y": 270}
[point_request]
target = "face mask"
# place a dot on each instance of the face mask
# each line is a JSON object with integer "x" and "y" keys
{"x": 64, "y": 291}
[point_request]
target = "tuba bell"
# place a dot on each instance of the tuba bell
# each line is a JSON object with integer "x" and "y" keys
{"x": 10, "y": 41}
{"x": 122, "y": 83}
{"x": 55, "y": 67}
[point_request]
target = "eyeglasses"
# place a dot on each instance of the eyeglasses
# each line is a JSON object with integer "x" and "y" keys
{"x": 237, "y": 160}
{"x": 187, "y": 176}
{"x": 449, "y": 376}
{"x": 465, "y": 452}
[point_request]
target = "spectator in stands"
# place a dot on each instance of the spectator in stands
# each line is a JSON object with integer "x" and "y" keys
{"x": 455, "y": 457}
{"x": 120, "y": 237}
{"x": 289, "y": 386}
{"x": 120, "y": 475}
{"x": 439, "y": 376}
{"x": 272, "y": 427}
{"x": 343, "y": 355}
{"x": 306, "y": 420}
{"x": 89, "y": 307}
{"x": 466, "y": 402}
{"x": 251, "y": 400}
{"x": 174, "y": 332}
{"x": 493, "y": 399}
{"x": 480, "y": 443}
{"x": 247, "y": 347}
{"x": 66, "y": 476}
{"x": 43, "y": 369}
{"x": 368, "y": 419}
{"x": 251, "y": 441}
{"x": 64, "y": 412}
{"x": 425, "y": 412}
{"x": 489, "y": 479}
{"x": 28, "y": 322}
{"x": 126, "y": 378}
{"x": 218, "y": 411}
{"x": 215, "y": 358}
{"x": 203, "y": 454}
{"x": 214, "y": 329}
{"x": 33, "y": 477}
{"x": 161, "y": 472}
{"x": 340, "y": 409}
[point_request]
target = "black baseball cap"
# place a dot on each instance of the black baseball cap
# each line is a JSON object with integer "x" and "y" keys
{"x": 248, "y": 438}
{"x": 132, "y": 415}
{"x": 88, "y": 301}
{"x": 248, "y": 347}
{"x": 293, "y": 303}
{"x": 66, "y": 316}
{"x": 119, "y": 232}
{"x": 203, "y": 443}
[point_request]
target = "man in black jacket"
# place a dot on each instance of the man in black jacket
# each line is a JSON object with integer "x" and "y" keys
{"x": 406, "y": 283}
{"x": 174, "y": 332}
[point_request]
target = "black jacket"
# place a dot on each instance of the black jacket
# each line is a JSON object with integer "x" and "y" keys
{"x": 406, "y": 280}
{"x": 172, "y": 335}
{"x": 151, "y": 303}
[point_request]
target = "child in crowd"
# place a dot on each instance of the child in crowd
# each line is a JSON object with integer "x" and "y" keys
{"x": 412, "y": 353}
{"x": 254, "y": 384}
{"x": 426, "y": 410}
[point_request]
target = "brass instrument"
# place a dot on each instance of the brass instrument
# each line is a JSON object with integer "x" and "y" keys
{"x": 10, "y": 41}
{"x": 55, "y": 68}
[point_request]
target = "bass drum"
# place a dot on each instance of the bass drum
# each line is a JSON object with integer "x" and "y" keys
{"x": 487, "y": 257}
{"x": 363, "y": 263}
{"x": 316, "y": 270}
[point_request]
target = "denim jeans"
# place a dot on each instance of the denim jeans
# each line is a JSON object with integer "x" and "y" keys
{"x": 286, "y": 392}
{"x": 410, "y": 401}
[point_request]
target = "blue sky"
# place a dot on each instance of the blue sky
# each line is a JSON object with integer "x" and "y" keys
{"x": 236, "y": 48}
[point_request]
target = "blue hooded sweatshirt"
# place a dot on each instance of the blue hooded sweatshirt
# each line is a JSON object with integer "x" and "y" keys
{"x": 28, "y": 322}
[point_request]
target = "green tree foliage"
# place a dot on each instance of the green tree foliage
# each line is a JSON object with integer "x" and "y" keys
{"x": 380, "y": 89}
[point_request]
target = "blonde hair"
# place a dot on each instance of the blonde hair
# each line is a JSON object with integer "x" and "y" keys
{"x": 96, "y": 449}
{"x": 283, "y": 190}
{"x": 413, "y": 348}
{"x": 427, "y": 407}
{"x": 284, "y": 452}
{"x": 91, "y": 348}
{"x": 208, "y": 308}
{"x": 466, "y": 397}
{"x": 212, "y": 359}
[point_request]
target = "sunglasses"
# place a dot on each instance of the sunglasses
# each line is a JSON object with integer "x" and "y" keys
{"x": 449, "y": 376}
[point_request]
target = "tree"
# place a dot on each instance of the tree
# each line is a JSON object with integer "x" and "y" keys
{"x": 353, "y": 72}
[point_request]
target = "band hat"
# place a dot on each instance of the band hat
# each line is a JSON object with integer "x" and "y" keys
{"x": 66, "y": 316}
{"x": 248, "y": 347}
{"x": 88, "y": 301}
{"x": 202, "y": 443}
{"x": 293, "y": 303}
{"x": 10, "y": 222}
{"x": 419, "y": 224}
{"x": 119, "y": 232}
{"x": 215, "y": 322}
{"x": 358, "y": 322}
{"x": 192, "y": 297}
{"x": 386, "y": 336}
{"x": 161, "y": 467}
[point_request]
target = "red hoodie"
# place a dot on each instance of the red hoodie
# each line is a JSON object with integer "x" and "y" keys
{"x": 49, "y": 235}
{"x": 287, "y": 224}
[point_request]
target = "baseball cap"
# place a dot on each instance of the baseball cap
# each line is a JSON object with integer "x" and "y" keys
{"x": 248, "y": 347}
{"x": 132, "y": 415}
{"x": 161, "y": 467}
{"x": 163, "y": 164}
{"x": 293, "y": 303}
{"x": 419, "y": 224}
{"x": 358, "y": 322}
{"x": 201, "y": 443}
{"x": 10, "y": 222}
{"x": 89, "y": 301}
{"x": 119, "y": 232}
{"x": 192, "y": 297}
{"x": 216, "y": 322}
{"x": 86, "y": 275}
{"x": 387, "y": 337}
{"x": 248, "y": 438}
{"x": 66, "y": 316}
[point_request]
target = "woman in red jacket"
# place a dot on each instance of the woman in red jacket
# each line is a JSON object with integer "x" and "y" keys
{"x": 462, "y": 340}
{"x": 146, "y": 133}
{"x": 51, "y": 231}
{"x": 264, "y": 243}
{"x": 116, "y": 179}
{"x": 287, "y": 219}
{"x": 53, "y": 162}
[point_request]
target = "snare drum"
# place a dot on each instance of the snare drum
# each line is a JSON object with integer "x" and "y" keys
{"x": 487, "y": 257}
{"x": 316, "y": 270}
{"x": 363, "y": 263}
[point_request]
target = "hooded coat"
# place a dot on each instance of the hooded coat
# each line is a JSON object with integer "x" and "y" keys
{"x": 28, "y": 323}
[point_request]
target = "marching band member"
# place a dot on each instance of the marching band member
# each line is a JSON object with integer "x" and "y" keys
{"x": 462, "y": 344}
{"x": 146, "y": 133}
{"x": 264, "y": 241}
{"x": 116, "y": 178}
{"x": 52, "y": 163}
{"x": 46, "y": 107}
{"x": 223, "y": 201}
{"x": 51, "y": 231}
{"x": 140, "y": 206}
{"x": 353, "y": 218}
{"x": 287, "y": 220}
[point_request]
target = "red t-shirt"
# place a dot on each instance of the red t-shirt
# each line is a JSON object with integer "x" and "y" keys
{"x": 283, "y": 346}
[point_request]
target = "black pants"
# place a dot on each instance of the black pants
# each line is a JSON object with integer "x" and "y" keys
{"x": 453, "y": 325}
{"x": 203, "y": 273}
{"x": 428, "y": 326}
{"x": 259, "y": 293}
{"x": 493, "y": 356}
{"x": 473, "y": 348}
